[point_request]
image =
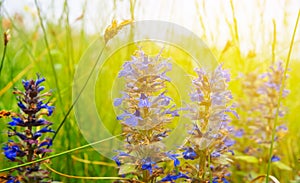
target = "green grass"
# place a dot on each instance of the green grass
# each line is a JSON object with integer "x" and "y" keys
{"x": 55, "y": 51}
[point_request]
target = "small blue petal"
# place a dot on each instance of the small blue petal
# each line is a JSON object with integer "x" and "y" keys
{"x": 144, "y": 102}
{"x": 189, "y": 153}
{"x": 215, "y": 154}
{"x": 116, "y": 159}
{"x": 132, "y": 121}
{"x": 275, "y": 158}
{"x": 173, "y": 157}
{"x": 43, "y": 130}
{"x": 174, "y": 177}
{"x": 22, "y": 136}
{"x": 239, "y": 133}
{"x": 41, "y": 88}
{"x": 224, "y": 180}
{"x": 39, "y": 81}
{"x": 21, "y": 105}
{"x": 229, "y": 142}
{"x": 147, "y": 165}
{"x": 25, "y": 84}
{"x": 118, "y": 101}
{"x": 16, "y": 122}
{"x": 47, "y": 142}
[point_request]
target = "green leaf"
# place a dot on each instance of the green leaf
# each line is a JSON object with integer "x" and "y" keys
{"x": 127, "y": 168}
{"x": 282, "y": 166}
{"x": 248, "y": 159}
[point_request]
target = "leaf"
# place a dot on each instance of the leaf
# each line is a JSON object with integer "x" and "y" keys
{"x": 282, "y": 166}
{"x": 248, "y": 159}
{"x": 127, "y": 168}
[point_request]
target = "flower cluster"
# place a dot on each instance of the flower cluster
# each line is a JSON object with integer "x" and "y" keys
{"x": 207, "y": 149}
{"x": 262, "y": 92}
{"x": 146, "y": 111}
{"x": 27, "y": 133}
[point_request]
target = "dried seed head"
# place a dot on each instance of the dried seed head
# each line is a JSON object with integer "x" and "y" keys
{"x": 6, "y": 35}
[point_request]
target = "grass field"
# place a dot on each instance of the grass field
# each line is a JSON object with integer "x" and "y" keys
{"x": 55, "y": 49}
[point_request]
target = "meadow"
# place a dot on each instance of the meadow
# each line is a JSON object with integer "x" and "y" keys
{"x": 59, "y": 51}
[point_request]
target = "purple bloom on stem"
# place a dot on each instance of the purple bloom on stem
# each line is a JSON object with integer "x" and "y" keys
{"x": 10, "y": 151}
{"x": 118, "y": 101}
{"x": 46, "y": 142}
{"x": 22, "y": 136}
{"x": 144, "y": 102}
{"x": 25, "y": 84}
{"x": 40, "y": 122}
{"x": 215, "y": 154}
{"x": 16, "y": 122}
{"x": 173, "y": 113}
{"x": 21, "y": 105}
{"x": 29, "y": 146}
{"x": 174, "y": 177}
{"x": 116, "y": 159}
{"x": 173, "y": 157}
{"x": 229, "y": 142}
{"x": 47, "y": 107}
{"x": 147, "y": 165}
{"x": 12, "y": 179}
{"x": 132, "y": 120}
{"x": 39, "y": 81}
{"x": 239, "y": 133}
{"x": 189, "y": 153}
{"x": 196, "y": 97}
{"x": 281, "y": 127}
{"x": 43, "y": 130}
{"x": 41, "y": 88}
{"x": 275, "y": 158}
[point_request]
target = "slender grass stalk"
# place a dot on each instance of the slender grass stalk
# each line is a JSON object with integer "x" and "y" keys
{"x": 236, "y": 36}
{"x": 280, "y": 97}
{"x": 274, "y": 41}
{"x": 132, "y": 8}
{"x": 70, "y": 62}
{"x": 76, "y": 99}
{"x": 204, "y": 35}
{"x": 86, "y": 161}
{"x": 5, "y": 41}
{"x": 49, "y": 53}
{"x": 61, "y": 153}
{"x": 3, "y": 58}
{"x": 85, "y": 178}
{"x": 209, "y": 169}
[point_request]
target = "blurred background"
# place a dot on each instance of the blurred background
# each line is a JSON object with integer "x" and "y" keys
{"x": 245, "y": 35}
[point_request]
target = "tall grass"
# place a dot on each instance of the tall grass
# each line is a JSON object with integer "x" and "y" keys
{"x": 54, "y": 49}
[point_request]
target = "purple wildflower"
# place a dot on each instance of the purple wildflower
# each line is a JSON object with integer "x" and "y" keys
{"x": 23, "y": 125}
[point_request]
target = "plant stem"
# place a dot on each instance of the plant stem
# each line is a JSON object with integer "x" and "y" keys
{"x": 3, "y": 57}
{"x": 49, "y": 53}
{"x": 280, "y": 97}
{"x": 60, "y": 154}
{"x": 77, "y": 98}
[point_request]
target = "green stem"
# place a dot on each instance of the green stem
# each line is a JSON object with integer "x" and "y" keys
{"x": 77, "y": 98}
{"x": 202, "y": 159}
{"x": 210, "y": 172}
{"x": 49, "y": 53}
{"x": 3, "y": 57}
{"x": 280, "y": 97}
{"x": 59, "y": 154}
